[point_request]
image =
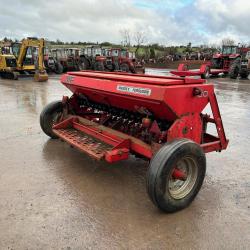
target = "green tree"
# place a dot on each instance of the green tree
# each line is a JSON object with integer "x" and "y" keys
{"x": 152, "y": 53}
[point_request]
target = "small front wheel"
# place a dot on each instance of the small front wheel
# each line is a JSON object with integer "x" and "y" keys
{"x": 176, "y": 174}
{"x": 51, "y": 115}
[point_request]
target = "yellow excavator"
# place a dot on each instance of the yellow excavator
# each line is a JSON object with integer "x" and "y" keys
{"x": 15, "y": 61}
{"x": 8, "y": 64}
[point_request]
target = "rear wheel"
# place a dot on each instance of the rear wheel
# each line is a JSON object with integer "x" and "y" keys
{"x": 58, "y": 68}
{"x": 244, "y": 73}
{"x": 82, "y": 65}
{"x": 234, "y": 70}
{"x": 124, "y": 67}
{"x": 50, "y": 115}
{"x": 176, "y": 174}
{"x": 98, "y": 66}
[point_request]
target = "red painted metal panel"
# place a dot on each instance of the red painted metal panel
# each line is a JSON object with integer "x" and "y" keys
{"x": 182, "y": 101}
{"x": 117, "y": 155}
{"x": 156, "y": 98}
{"x": 177, "y": 101}
{"x": 189, "y": 126}
{"x": 133, "y": 78}
{"x": 184, "y": 73}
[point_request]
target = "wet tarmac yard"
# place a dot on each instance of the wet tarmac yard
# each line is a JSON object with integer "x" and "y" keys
{"x": 54, "y": 197}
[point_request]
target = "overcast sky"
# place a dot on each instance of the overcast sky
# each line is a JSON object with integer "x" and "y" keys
{"x": 167, "y": 22}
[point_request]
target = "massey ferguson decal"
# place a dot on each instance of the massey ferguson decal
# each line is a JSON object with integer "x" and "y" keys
{"x": 134, "y": 90}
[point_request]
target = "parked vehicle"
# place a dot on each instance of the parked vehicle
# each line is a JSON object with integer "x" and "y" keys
{"x": 51, "y": 63}
{"x": 125, "y": 61}
{"x": 228, "y": 60}
{"x": 245, "y": 64}
{"x": 26, "y": 57}
{"x": 67, "y": 57}
{"x": 109, "y": 59}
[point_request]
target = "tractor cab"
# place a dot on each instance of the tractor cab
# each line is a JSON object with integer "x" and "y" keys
{"x": 97, "y": 54}
{"x": 106, "y": 52}
{"x": 93, "y": 51}
{"x": 223, "y": 60}
{"x": 65, "y": 57}
{"x": 120, "y": 55}
{"x": 96, "y": 51}
{"x": 119, "y": 59}
{"x": 73, "y": 53}
{"x": 229, "y": 50}
{"x": 92, "y": 58}
{"x": 126, "y": 61}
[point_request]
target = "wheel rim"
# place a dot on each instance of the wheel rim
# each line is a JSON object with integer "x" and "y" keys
{"x": 180, "y": 188}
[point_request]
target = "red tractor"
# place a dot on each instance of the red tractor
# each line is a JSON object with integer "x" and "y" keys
{"x": 67, "y": 57}
{"x": 228, "y": 60}
{"x": 50, "y": 62}
{"x": 123, "y": 60}
{"x": 106, "y": 59}
{"x": 233, "y": 60}
{"x": 92, "y": 58}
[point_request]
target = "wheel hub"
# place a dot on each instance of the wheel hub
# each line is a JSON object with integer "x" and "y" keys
{"x": 183, "y": 178}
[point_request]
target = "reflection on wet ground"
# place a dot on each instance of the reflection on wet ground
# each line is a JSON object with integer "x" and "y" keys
{"x": 54, "y": 197}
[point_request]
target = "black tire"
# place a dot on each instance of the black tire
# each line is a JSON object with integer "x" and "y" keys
{"x": 58, "y": 68}
{"x": 234, "y": 70}
{"x": 98, "y": 66}
{"x": 49, "y": 116}
{"x": 124, "y": 67}
{"x": 82, "y": 65}
{"x": 160, "y": 175}
{"x": 116, "y": 66}
{"x": 244, "y": 73}
{"x": 206, "y": 73}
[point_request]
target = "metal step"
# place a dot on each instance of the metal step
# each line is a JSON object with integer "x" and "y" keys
{"x": 93, "y": 139}
{"x": 86, "y": 143}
